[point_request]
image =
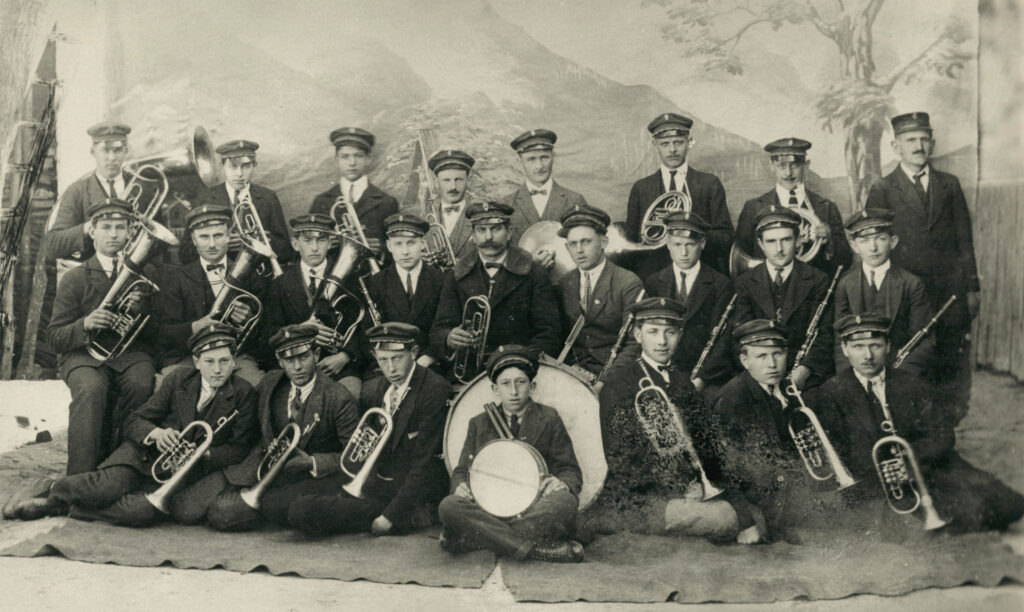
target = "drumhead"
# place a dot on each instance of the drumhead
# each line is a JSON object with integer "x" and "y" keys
{"x": 561, "y": 388}
{"x": 505, "y": 477}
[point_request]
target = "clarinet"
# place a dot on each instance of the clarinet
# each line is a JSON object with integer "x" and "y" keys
{"x": 715, "y": 333}
{"x": 812, "y": 329}
{"x": 905, "y": 351}
{"x": 626, "y": 326}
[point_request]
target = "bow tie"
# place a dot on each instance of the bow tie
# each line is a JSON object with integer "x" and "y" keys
{"x": 492, "y": 265}
{"x": 454, "y": 208}
{"x": 217, "y": 266}
{"x": 534, "y": 192}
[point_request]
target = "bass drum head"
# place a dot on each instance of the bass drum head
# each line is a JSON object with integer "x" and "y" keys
{"x": 562, "y": 389}
{"x": 505, "y": 477}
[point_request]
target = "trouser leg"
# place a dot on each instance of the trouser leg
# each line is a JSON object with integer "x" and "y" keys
{"x": 279, "y": 497}
{"x": 87, "y": 415}
{"x": 550, "y": 519}
{"x": 191, "y": 505}
{"x": 133, "y": 387}
{"x": 340, "y": 513}
{"x": 97, "y": 489}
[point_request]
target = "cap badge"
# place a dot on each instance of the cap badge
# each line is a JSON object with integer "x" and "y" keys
{"x": 533, "y": 132}
{"x": 857, "y": 319}
{"x": 486, "y": 206}
{"x": 790, "y": 142}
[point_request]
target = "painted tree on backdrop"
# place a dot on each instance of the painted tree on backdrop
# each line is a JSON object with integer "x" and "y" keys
{"x": 859, "y": 101}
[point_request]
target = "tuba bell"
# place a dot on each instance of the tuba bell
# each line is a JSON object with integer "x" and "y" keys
{"x": 108, "y": 343}
{"x": 476, "y": 319}
{"x": 177, "y": 462}
{"x": 543, "y": 235}
{"x": 273, "y": 460}
{"x": 363, "y": 447}
{"x": 807, "y": 246}
{"x": 653, "y": 231}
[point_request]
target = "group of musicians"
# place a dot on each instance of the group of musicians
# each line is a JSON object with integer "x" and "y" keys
{"x": 733, "y": 408}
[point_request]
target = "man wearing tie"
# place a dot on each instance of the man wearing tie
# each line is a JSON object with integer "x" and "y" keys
{"x": 670, "y": 134}
{"x": 187, "y": 293}
{"x": 790, "y": 165}
{"x": 67, "y": 238}
{"x": 238, "y": 160}
{"x": 451, "y": 167}
{"x": 936, "y": 244}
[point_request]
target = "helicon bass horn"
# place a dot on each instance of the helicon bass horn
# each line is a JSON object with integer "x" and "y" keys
{"x": 273, "y": 460}
{"x": 108, "y": 343}
{"x": 345, "y": 309}
{"x": 177, "y": 462}
{"x": 476, "y": 319}
{"x": 807, "y": 246}
{"x": 819, "y": 456}
{"x": 363, "y": 447}
{"x": 663, "y": 424}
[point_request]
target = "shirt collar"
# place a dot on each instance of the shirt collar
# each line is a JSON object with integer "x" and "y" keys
{"x": 880, "y": 271}
{"x": 547, "y": 185}
{"x": 500, "y": 262}
{"x": 876, "y": 381}
{"x": 786, "y": 271}
{"x": 107, "y": 263}
{"x": 655, "y": 366}
{"x": 783, "y": 194}
{"x": 234, "y": 194}
{"x": 692, "y": 272}
{"x": 222, "y": 261}
{"x": 118, "y": 181}
{"x": 666, "y": 177}
{"x": 415, "y": 271}
{"x": 404, "y": 383}
{"x": 359, "y": 184}
{"x": 302, "y": 391}
{"x": 319, "y": 270}
{"x": 910, "y": 173}
{"x": 595, "y": 272}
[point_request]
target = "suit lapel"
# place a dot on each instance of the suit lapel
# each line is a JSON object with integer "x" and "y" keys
{"x": 394, "y": 289}
{"x": 936, "y": 196}
{"x": 407, "y": 407}
{"x": 311, "y": 410}
{"x": 422, "y": 297}
{"x": 461, "y": 232}
{"x": 892, "y": 284}
{"x": 698, "y": 293}
{"x": 572, "y": 294}
{"x": 797, "y": 291}
{"x": 296, "y": 289}
{"x": 198, "y": 271}
{"x": 664, "y": 283}
{"x": 857, "y": 291}
{"x": 558, "y": 203}
{"x": 525, "y": 204}
{"x": 908, "y": 192}
{"x": 862, "y": 407}
{"x": 505, "y": 284}
{"x": 189, "y": 399}
{"x": 532, "y": 425}
{"x": 762, "y": 292}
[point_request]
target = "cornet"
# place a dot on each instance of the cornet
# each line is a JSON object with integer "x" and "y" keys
{"x": 363, "y": 447}
{"x": 273, "y": 460}
{"x": 476, "y": 319}
{"x": 819, "y": 456}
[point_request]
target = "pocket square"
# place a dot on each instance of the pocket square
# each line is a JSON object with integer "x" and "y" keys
{"x": 412, "y": 434}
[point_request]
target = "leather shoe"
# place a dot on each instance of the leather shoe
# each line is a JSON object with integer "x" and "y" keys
{"x": 36, "y": 508}
{"x": 569, "y": 551}
{"x": 39, "y": 488}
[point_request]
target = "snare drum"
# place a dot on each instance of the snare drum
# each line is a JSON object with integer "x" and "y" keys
{"x": 505, "y": 477}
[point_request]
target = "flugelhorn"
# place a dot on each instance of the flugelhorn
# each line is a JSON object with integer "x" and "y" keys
{"x": 273, "y": 460}
{"x": 178, "y": 461}
{"x": 663, "y": 424}
{"x": 346, "y": 310}
{"x": 110, "y": 342}
{"x": 363, "y": 447}
{"x": 245, "y": 221}
{"x": 232, "y": 295}
{"x": 476, "y": 319}
{"x": 806, "y": 244}
{"x": 819, "y": 456}
{"x": 900, "y": 475}
{"x": 437, "y": 249}
{"x": 653, "y": 230}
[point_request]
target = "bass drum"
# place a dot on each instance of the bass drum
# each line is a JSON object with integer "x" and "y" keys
{"x": 561, "y": 388}
{"x": 505, "y": 477}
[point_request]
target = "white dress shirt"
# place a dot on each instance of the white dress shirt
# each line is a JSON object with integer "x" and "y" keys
{"x": 302, "y": 393}
{"x": 492, "y": 271}
{"x": 801, "y": 196}
{"x": 666, "y": 177}
{"x": 656, "y": 367}
{"x": 404, "y": 276}
{"x": 234, "y": 196}
{"x": 107, "y": 263}
{"x": 877, "y": 385}
{"x": 318, "y": 271}
{"x": 449, "y": 219}
{"x": 119, "y": 184}
{"x": 206, "y": 393}
{"x": 924, "y": 177}
{"x": 776, "y": 392}
{"x": 397, "y": 393}
{"x": 690, "y": 277}
{"x": 353, "y": 190}
{"x": 879, "y": 273}
{"x": 786, "y": 271}
{"x": 215, "y": 277}
{"x": 540, "y": 200}
{"x": 593, "y": 274}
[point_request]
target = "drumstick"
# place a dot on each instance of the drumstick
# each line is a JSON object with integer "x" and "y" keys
{"x": 571, "y": 338}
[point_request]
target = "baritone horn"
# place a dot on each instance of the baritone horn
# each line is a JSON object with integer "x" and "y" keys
{"x": 807, "y": 245}
{"x": 273, "y": 460}
{"x": 476, "y": 319}
{"x": 363, "y": 447}
{"x": 346, "y": 310}
{"x": 232, "y": 295}
{"x": 245, "y": 221}
{"x": 177, "y": 462}
{"x": 110, "y": 342}
{"x": 900, "y": 475}
{"x": 819, "y": 456}
{"x": 437, "y": 249}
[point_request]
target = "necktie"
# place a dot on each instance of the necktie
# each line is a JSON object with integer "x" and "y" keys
{"x": 672, "y": 180}
{"x": 793, "y": 202}
{"x": 586, "y": 291}
{"x": 492, "y": 268}
{"x": 922, "y": 193}
{"x": 205, "y": 395}
{"x": 775, "y": 393}
{"x": 666, "y": 371}
{"x": 514, "y": 425}
{"x": 114, "y": 270}
{"x": 351, "y": 189}
{"x": 113, "y": 192}
{"x": 212, "y": 267}
{"x": 778, "y": 277}
{"x": 408, "y": 286}
{"x": 312, "y": 283}
{"x": 876, "y": 404}
{"x": 534, "y": 192}
{"x": 872, "y": 290}
{"x": 295, "y": 408}
{"x": 682, "y": 287}
{"x": 777, "y": 291}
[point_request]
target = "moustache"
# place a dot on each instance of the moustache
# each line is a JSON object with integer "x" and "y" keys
{"x": 452, "y": 192}
{"x": 918, "y": 152}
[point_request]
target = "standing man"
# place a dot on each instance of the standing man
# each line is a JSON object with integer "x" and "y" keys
{"x": 704, "y": 292}
{"x": 597, "y": 290}
{"x": 790, "y": 165}
{"x": 408, "y": 290}
{"x": 68, "y": 239}
{"x": 788, "y": 291}
{"x": 451, "y": 167}
{"x": 670, "y": 133}
{"x": 522, "y": 300}
{"x": 353, "y": 152}
{"x": 936, "y": 245}
{"x": 407, "y": 475}
{"x": 238, "y": 160}
{"x": 103, "y": 393}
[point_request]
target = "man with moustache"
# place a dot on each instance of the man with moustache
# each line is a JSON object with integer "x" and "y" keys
{"x": 407, "y": 475}
{"x": 670, "y": 134}
{"x": 238, "y": 160}
{"x": 452, "y": 167}
{"x": 790, "y": 164}
{"x": 936, "y": 244}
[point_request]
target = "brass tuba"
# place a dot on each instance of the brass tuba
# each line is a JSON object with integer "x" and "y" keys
{"x": 273, "y": 460}
{"x": 807, "y": 246}
{"x": 653, "y": 231}
{"x": 363, "y": 447}
{"x": 345, "y": 308}
{"x": 437, "y": 249}
{"x": 232, "y": 295}
{"x": 177, "y": 462}
{"x": 663, "y": 424}
{"x": 476, "y": 318}
{"x": 109, "y": 343}
{"x": 819, "y": 456}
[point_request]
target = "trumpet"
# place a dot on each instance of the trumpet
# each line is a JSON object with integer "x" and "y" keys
{"x": 273, "y": 460}
{"x": 819, "y": 456}
{"x": 653, "y": 230}
{"x": 476, "y": 318}
{"x": 663, "y": 424}
{"x": 178, "y": 461}
{"x": 232, "y": 295}
{"x": 344, "y": 307}
{"x": 900, "y": 475}
{"x": 363, "y": 447}
{"x": 108, "y": 343}
{"x": 245, "y": 221}
{"x": 437, "y": 249}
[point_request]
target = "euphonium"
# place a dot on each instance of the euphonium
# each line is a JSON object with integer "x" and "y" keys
{"x": 363, "y": 447}
{"x": 231, "y": 295}
{"x": 347, "y": 224}
{"x": 476, "y": 318}
{"x": 178, "y": 461}
{"x": 437, "y": 249}
{"x": 819, "y": 456}
{"x": 900, "y": 475}
{"x": 109, "y": 343}
{"x": 273, "y": 460}
{"x": 653, "y": 230}
{"x": 346, "y": 309}
{"x": 807, "y": 246}
{"x": 245, "y": 221}
{"x": 663, "y": 424}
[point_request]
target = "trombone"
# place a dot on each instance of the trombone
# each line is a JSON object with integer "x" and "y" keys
{"x": 476, "y": 319}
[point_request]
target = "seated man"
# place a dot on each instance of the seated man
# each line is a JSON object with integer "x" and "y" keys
{"x": 647, "y": 490}
{"x": 209, "y": 392}
{"x": 407, "y": 474}
{"x": 869, "y": 400}
{"x": 542, "y": 531}
{"x": 326, "y": 415}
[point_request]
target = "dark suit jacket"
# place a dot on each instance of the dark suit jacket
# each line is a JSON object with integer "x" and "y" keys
{"x": 388, "y": 292}
{"x": 523, "y": 306}
{"x": 268, "y": 207}
{"x": 560, "y": 201}
{"x": 936, "y": 244}
{"x": 65, "y": 238}
{"x": 705, "y": 304}
{"x": 173, "y": 405}
{"x": 372, "y": 208}
{"x": 708, "y": 197}
{"x": 834, "y": 253}
{"x": 408, "y": 472}
{"x": 614, "y": 291}
{"x": 328, "y": 420}
{"x": 80, "y": 292}
{"x": 542, "y": 428}
{"x": 461, "y": 236}
{"x": 906, "y": 305}
{"x": 806, "y": 288}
